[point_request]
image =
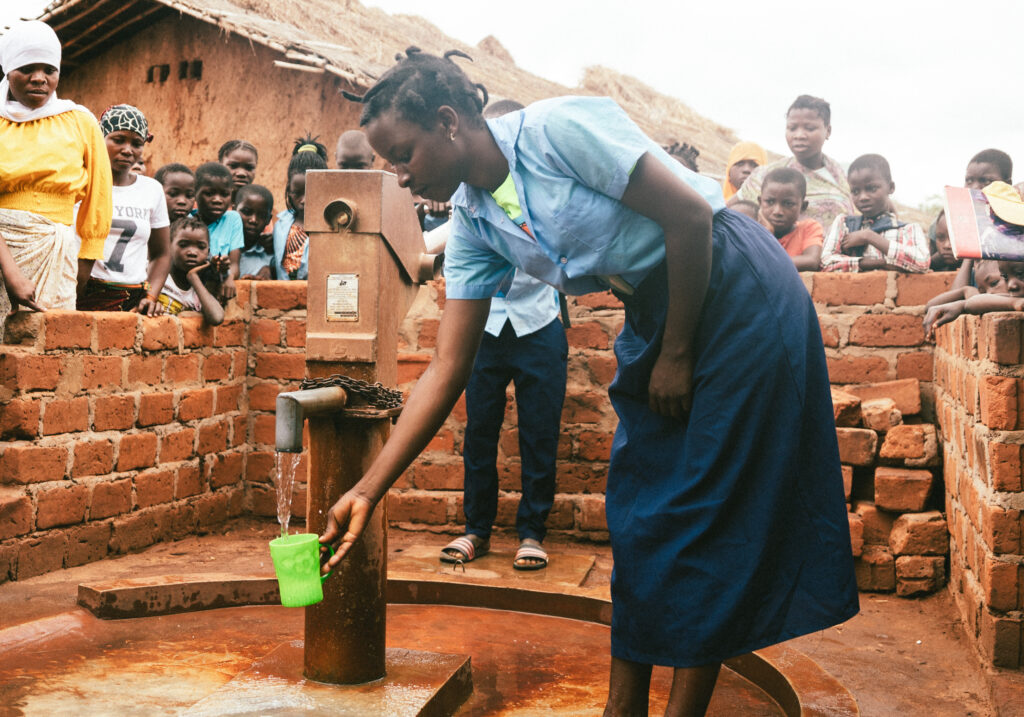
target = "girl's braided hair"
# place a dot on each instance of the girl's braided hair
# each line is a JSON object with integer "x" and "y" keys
{"x": 307, "y": 153}
{"x": 421, "y": 83}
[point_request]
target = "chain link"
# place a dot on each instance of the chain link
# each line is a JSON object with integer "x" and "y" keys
{"x": 370, "y": 394}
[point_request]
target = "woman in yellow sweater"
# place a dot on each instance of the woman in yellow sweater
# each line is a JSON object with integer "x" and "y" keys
{"x": 52, "y": 155}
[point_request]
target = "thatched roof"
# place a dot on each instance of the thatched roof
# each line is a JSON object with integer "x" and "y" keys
{"x": 357, "y": 43}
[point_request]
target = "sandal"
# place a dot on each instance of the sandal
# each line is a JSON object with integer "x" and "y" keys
{"x": 533, "y": 552}
{"x": 466, "y": 548}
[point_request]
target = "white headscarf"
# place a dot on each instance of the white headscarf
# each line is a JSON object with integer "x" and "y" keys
{"x": 29, "y": 43}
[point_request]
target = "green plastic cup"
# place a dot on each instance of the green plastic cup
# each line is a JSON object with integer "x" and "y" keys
{"x": 297, "y": 565}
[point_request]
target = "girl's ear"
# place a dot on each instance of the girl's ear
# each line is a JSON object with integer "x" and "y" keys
{"x": 449, "y": 120}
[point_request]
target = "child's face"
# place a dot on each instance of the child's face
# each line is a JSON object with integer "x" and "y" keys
{"x": 179, "y": 189}
{"x": 213, "y": 198}
{"x": 739, "y": 172}
{"x": 806, "y": 133}
{"x": 988, "y": 277}
{"x": 296, "y": 193}
{"x": 781, "y": 205}
{"x": 981, "y": 174}
{"x": 255, "y": 215}
{"x": 190, "y": 248}
{"x": 870, "y": 191}
{"x": 1013, "y": 274}
{"x": 942, "y": 242}
{"x": 242, "y": 163}
{"x": 125, "y": 149}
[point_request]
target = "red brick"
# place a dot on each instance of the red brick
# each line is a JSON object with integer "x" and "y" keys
{"x": 295, "y": 333}
{"x": 589, "y": 335}
{"x": 15, "y": 513}
{"x": 919, "y": 289}
{"x": 25, "y": 328}
{"x": 919, "y": 575}
{"x": 592, "y": 513}
{"x": 857, "y": 369}
{"x": 188, "y": 481}
{"x": 93, "y": 458}
{"x": 154, "y": 487}
{"x": 29, "y": 372}
{"x": 230, "y": 333}
{"x": 875, "y": 569}
{"x": 115, "y": 329}
{"x": 283, "y": 295}
{"x": 217, "y": 367}
{"x": 140, "y": 529}
{"x": 602, "y": 369}
{"x": 266, "y": 332}
{"x": 243, "y": 295}
{"x": 225, "y": 469}
{"x": 263, "y": 396}
{"x": 227, "y": 398}
{"x": 181, "y": 368}
{"x": 1001, "y": 338}
{"x": 915, "y": 364}
{"x": 999, "y": 639}
{"x": 999, "y": 402}
{"x": 156, "y": 408}
{"x": 240, "y": 360}
{"x": 1005, "y": 466}
{"x": 845, "y": 408}
{"x": 880, "y": 414}
{"x": 110, "y": 498}
{"x": 213, "y": 437}
{"x": 427, "y": 336}
{"x": 887, "y": 330}
{"x": 33, "y": 464}
{"x": 438, "y": 476}
{"x": 417, "y": 507}
{"x": 597, "y": 301}
{"x": 877, "y": 523}
{"x": 857, "y": 445}
{"x": 113, "y": 413}
{"x": 263, "y": 428}
{"x": 195, "y": 404}
{"x": 899, "y": 489}
{"x": 259, "y": 466}
{"x": 138, "y": 450}
{"x": 581, "y": 478}
{"x": 829, "y": 334}
{"x": 62, "y": 505}
{"x": 87, "y": 543}
{"x": 145, "y": 370}
{"x": 19, "y": 418}
{"x": 584, "y": 407}
{"x": 594, "y": 446}
{"x": 41, "y": 554}
{"x": 284, "y": 366}
{"x": 410, "y": 367}
{"x": 66, "y": 416}
{"x": 101, "y": 371}
{"x": 1001, "y": 529}
{"x": 211, "y": 510}
{"x": 905, "y": 441}
{"x": 1000, "y": 584}
{"x": 856, "y": 533}
{"x": 195, "y": 332}
{"x": 159, "y": 332}
{"x": 847, "y": 481}
{"x": 443, "y": 442}
{"x": 177, "y": 446}
{"x": 849, "y": 289}
{"x": 68, "y": 330}
{"x": 905, "y": 392}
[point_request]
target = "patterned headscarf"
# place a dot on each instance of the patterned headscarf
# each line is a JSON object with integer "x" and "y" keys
{"x": 127, "y": 118}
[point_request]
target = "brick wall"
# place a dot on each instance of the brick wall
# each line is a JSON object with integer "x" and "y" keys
{"x": 81, "y": 394}
{"x": 981, "y": 415}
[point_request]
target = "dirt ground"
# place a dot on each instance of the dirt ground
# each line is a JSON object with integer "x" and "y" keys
{"x": 897, "y": 657}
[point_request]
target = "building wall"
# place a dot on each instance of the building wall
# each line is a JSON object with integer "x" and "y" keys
{"x": 241, "y": 95}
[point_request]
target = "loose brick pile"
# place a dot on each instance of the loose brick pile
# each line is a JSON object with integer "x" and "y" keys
{"x": 980, "y": 401}
{"x": 888, "y": 462}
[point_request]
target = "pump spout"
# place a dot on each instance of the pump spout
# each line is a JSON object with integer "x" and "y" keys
{"x": 294, "y": 406}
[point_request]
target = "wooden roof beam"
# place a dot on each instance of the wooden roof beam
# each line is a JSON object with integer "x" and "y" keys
{"x": 110, "y": 33}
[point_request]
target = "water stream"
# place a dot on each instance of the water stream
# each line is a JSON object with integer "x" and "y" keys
{"x": 284, "y": 479}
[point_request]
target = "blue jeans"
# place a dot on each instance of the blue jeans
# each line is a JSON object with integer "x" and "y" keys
{"x": 536, "y": 364}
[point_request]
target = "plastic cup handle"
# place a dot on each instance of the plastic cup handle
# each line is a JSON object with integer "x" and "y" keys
{"x": 329, "y": 572}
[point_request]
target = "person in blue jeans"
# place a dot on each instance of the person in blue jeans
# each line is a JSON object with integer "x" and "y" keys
{"x": 523, "y": 342}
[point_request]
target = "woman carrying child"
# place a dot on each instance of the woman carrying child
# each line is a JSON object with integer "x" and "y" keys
{"x": 137, "y": 250}
{"x": 52, "y": 155}
{"x": 724, "y": 499}
{"x": 291, "y": 243}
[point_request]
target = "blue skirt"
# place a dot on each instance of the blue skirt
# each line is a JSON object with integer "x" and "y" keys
{"x": 729, "y": 529}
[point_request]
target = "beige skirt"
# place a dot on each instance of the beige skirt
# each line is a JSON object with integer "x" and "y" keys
{"x": 45, "y": 251}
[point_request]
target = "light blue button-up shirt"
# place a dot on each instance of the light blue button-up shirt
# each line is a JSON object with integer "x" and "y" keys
{"x": 570, "y": 160}
{"x": 529, "y": 305}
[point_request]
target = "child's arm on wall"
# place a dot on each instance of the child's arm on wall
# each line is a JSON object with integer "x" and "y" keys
{"x": 907, "y": 249}
{"x": 213, "y": 312}
{"x": 941, "y": 314}
{"x": 809, "y": 260}
{"x": 963, "y": 292}
{"x": 832, "y": 258}
{"x": 984, "y": 303}
{"x": 227, "y": 289}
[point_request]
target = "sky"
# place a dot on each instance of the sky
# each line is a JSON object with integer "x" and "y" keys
{"x": 926, "y": 84}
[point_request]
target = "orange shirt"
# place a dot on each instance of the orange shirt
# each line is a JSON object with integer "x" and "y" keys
{"x": 807, "y": 232}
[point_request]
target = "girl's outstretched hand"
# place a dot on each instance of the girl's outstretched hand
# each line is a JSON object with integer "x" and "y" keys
{"x": 670, "y": 391}
{"x": 346, "y": 521}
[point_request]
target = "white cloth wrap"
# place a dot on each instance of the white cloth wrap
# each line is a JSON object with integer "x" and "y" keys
{"x": 45, "y": 252}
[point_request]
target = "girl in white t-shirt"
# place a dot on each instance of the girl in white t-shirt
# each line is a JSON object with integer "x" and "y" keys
{"x": 136, "y": 255}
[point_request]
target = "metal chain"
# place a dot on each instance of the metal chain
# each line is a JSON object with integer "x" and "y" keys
{"x": 371, "y": 394}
